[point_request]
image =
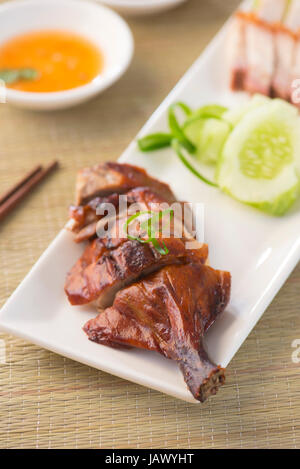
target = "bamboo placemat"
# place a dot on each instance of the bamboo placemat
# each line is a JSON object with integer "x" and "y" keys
{"x": 47, "y": 401}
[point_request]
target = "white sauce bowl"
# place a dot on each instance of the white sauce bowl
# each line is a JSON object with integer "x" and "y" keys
{"x": 141, "y": 7}
{"x": 105, "y": 28}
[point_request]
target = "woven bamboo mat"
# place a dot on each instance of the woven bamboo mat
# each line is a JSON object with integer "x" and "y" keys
{"x": 47, "y": 401}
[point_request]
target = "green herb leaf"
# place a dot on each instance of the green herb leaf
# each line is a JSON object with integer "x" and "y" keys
{"x": 10, "y": 76}
{"x": 154, "y": 224}
{"x": 155, "y": 142}
{"x": 151, "y": 226}
{"x": 28, "y": 74}
{"x": 177, "y": 148}
{"x": 162, "y": 250}
{"x": 210, "y": 111}
{"x": 131, "y": 219}
{"x": 176, "y": 128}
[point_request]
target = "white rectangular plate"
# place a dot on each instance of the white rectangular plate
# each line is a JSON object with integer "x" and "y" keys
{"x": 259, "y": 251}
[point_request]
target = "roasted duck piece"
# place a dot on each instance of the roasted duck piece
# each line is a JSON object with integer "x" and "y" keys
{"x": 164, "y": 297}
{"x": 113, "y": 261}
{"x": 107, "y": 265}
{"x": 108, "y": 178}
{"x": 85, "y": 217}
{"x": 169, "y": 312}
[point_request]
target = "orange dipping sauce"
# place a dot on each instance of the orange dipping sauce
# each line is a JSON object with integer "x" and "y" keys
{"x": 63, "y": 60}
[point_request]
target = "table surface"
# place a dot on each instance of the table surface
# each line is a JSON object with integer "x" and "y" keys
{"x": 48, "y": 401}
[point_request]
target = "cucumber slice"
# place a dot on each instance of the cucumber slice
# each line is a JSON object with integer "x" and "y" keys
{"x": 202, "y": 171}
{"x": 208, "y": 136}
{"x": 234, "y": 115}
{"x": 258, "y": 165}
{"x": 210, "y": 110}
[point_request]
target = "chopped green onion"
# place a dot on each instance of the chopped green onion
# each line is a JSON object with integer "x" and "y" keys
{"x": 150, "y": 225}
{"x": 155, "y": 142}
{"x": 210, "y": 111}
{"x": 162, "y": 250}
{"x": 153, "y": 224}
{"x": 176, "y": 129}
{"x": 10, "y": 76}
{"x": 176, "y": 146}
{"x": 131, "y": 219}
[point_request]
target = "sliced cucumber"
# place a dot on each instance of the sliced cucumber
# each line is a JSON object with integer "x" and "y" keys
{"x": 258, "y": 165}
{"x": 234, "y": 115}
{"x": 202, "y": 171}
{"x": 208, "y": 136}
{"x": 210, "y": 110}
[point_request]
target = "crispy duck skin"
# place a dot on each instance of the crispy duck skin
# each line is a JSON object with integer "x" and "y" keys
{"x": 108, "y": 178}
{"x": 169, "y": 312}
{"x": 236, "y": 48}
{"x": 109, "y": 264}
{"x": 85, "y": 217}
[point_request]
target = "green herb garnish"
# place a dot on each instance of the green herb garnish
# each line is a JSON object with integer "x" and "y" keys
{"x": 155, "y": 141}
{"x": 13, "y": 75}
{"x": 160, "y": 140}
{"x": 176, "y": 128}
{"x": 178, "y": 138}
{"x": 176, "y": 146}
{"x": 152, "y": 226}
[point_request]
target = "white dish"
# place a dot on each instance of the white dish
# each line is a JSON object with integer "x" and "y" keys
{"x": 97, "y": 23}
{"x": 141, "y": 7}
{"x": 260, "y": 252}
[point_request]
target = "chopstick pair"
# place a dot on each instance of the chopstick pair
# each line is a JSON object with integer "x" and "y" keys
{"x": 13, "y": 196}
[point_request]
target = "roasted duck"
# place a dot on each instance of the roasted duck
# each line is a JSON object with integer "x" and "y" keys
{"x": 169, "y": 312}
{"x": 85, "y": 218}
{"x": 158, "y": 292}
{"x": 109, "y": 178}
{"x": 101, "y": 272}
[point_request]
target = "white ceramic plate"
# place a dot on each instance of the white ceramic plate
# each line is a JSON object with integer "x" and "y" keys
{"x": 141, "y": 7}
{"x": 260, "y": 251}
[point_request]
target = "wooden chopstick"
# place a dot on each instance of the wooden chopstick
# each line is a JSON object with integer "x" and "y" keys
{"x": 23, "y": 188}
{"x": 19, "y": 184}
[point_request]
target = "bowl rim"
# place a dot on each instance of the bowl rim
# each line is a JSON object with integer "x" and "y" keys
{"x": 137, "y": 3}
{"x": 80, "y": 93}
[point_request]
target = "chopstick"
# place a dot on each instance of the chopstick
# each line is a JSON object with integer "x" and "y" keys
{"x": 11, "y": 198}
{"x": 17, "y": 186}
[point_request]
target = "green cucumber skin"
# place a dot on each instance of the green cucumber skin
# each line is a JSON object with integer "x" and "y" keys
{"x": 282, "y": 204}
{"x": 277, "y": 207}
